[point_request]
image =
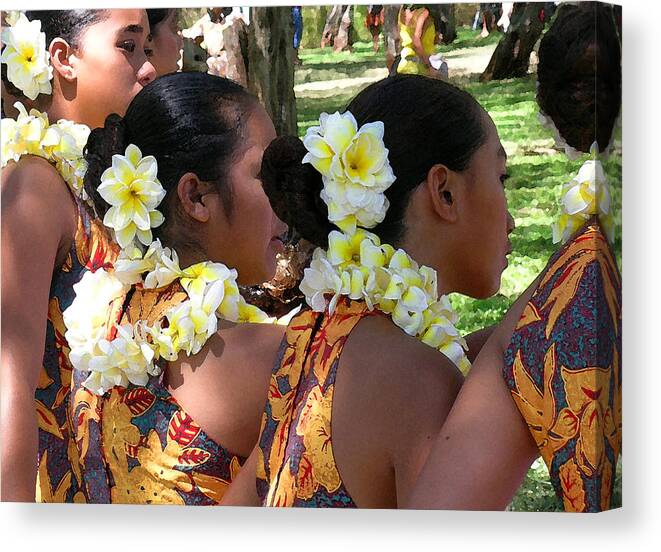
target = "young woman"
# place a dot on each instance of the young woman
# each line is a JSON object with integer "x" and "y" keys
{"x": 418, "y": 36}
{"x": 180, "y": 438}
{"x": 548, "y": 380}
{"x": 98, "y": 64}
{"x": 354, "y": 399}
{"x": 166, "y": 42}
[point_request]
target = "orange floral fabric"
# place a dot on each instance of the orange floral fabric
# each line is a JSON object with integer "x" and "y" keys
{"x": 296, "y": 466}
{"x": 563, "y": 369}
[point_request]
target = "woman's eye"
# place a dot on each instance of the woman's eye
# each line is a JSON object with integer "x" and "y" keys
{"x": 503, "y": 178}
{"x": 149, "y": 52}
{"x": 128, "y": 45}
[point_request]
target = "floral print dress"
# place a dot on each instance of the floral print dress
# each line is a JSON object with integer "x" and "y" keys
{"x": 296, "y": 466}
{"x": 563, "y": 369}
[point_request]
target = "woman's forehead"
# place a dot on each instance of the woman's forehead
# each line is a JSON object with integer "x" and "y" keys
{"x": 124, "y": 21}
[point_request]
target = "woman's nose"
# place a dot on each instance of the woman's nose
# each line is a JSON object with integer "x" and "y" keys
{"x": 146, "y": 74}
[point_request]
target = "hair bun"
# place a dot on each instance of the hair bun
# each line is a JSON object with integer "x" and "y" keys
{"x": 294, "y": 189}
{"x": 102, "y": 144}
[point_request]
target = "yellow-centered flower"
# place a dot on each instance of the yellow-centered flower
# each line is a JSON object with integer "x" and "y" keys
{"x": 132, "y": 189}
{"x": 26, "y": 57}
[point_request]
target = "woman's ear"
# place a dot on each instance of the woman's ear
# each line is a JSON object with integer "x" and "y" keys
{"x": 191, "y": 194}
{"x": 62, "y": 59}
{"x": 441, "y": 186}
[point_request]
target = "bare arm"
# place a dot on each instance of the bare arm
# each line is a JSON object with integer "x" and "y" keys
{"x": 37, "y": 212}
{"x": 243, "y": 490}
{"x": 484, "y": 449}
{"x": 476, "y": 341}
{"x": 423, "y": 418}
{"x": 417, "y": 37}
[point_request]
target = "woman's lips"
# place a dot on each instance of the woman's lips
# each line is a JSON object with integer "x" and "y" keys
{"x": 278, "y": 244}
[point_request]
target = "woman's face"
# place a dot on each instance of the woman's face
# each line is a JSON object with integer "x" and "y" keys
{"x": 249, "y": 237}
{"x": 111, "y": 65}
{"x": 166, "y": 45}
{"x": 484, "y": 223}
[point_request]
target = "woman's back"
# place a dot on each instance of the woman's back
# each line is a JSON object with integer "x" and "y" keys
{"x": 340, "y": 426}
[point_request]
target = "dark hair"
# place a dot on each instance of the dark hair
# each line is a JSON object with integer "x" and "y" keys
{"x": 426, "y": 121}
{"x": 580, "y": 74}
{"x": 65, "y": 24}
{"x": 190, "y": 122}
{"x": 156, "y": 17}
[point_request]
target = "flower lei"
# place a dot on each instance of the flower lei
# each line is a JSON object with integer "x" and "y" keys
{"x": 355, "y": 171}
{"x": 119, "y": 354}
{"x": 587, "y": 194}
{"x": 27, "y": 58}
{"x": 60, "y": 143}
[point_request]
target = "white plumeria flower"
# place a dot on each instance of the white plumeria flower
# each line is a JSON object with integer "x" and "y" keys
{"x": 195, "y": 278}
{"x": 27, "y": 58}
{"x": 95, "y": 292}
{"x": 131, "y": 262}
{"x": 28, "y": 134}
{"x": 166, "y": 266}
{"x": 410, "y": 321}
{"x": 355, "y": 169}
{"x": 71, "y": 142}
{"x": 132, "y": 189}
{"x": 350, "y": 205}
{"x": 326, "y": 142}
{"x": 585, "y": 195}
{"x": 128, "y": 358}
{"x": 365, "y": 161}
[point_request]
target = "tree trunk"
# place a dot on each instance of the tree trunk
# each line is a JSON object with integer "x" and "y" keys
{"x": 235, "y": 38}
{"x": 511, "y": 57}
{"x": 448, "y": 26}
{"x": 270, "y": 64}
{"x": 391, "y": 33}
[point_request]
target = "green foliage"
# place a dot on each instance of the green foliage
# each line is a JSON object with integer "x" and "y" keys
{"x": 536, "y": 493}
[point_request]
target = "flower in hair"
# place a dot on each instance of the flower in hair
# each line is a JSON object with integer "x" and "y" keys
{"x": 355, "y": 170}
{"x": 132, "y": 189}
{"x": 585, "y": 195}
{"x": 26, "y": 57}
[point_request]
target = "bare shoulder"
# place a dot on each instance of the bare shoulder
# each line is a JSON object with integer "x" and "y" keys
{"x": 254, "y": 339}
{"x": 403, "y": 362}
{"x": 240, "y": 350}
{"x": 407, "y": 375}
{"x": 32, "y": 188}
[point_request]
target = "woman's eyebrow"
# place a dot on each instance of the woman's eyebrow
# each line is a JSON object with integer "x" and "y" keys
{"x": 501, "y": 152}
{"x": 133, "y": 28}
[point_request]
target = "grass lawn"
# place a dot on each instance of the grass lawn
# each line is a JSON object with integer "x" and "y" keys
{"x": 537, "y": 171}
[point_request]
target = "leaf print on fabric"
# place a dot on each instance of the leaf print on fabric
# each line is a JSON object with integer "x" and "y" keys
{"x": 193, "y": 457}
{"x": 537, "y": 406}
{"x": 139, "y": 400}
{"x": 182, "y": 429}
{"x": 587, "y": 396}
{"x": 585, "y": 250}
{"x": 314, "y": 427}
{"x": 44, "y": 490}
{"x": 573, "y": 492}
{"x": 47, "y": 421}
